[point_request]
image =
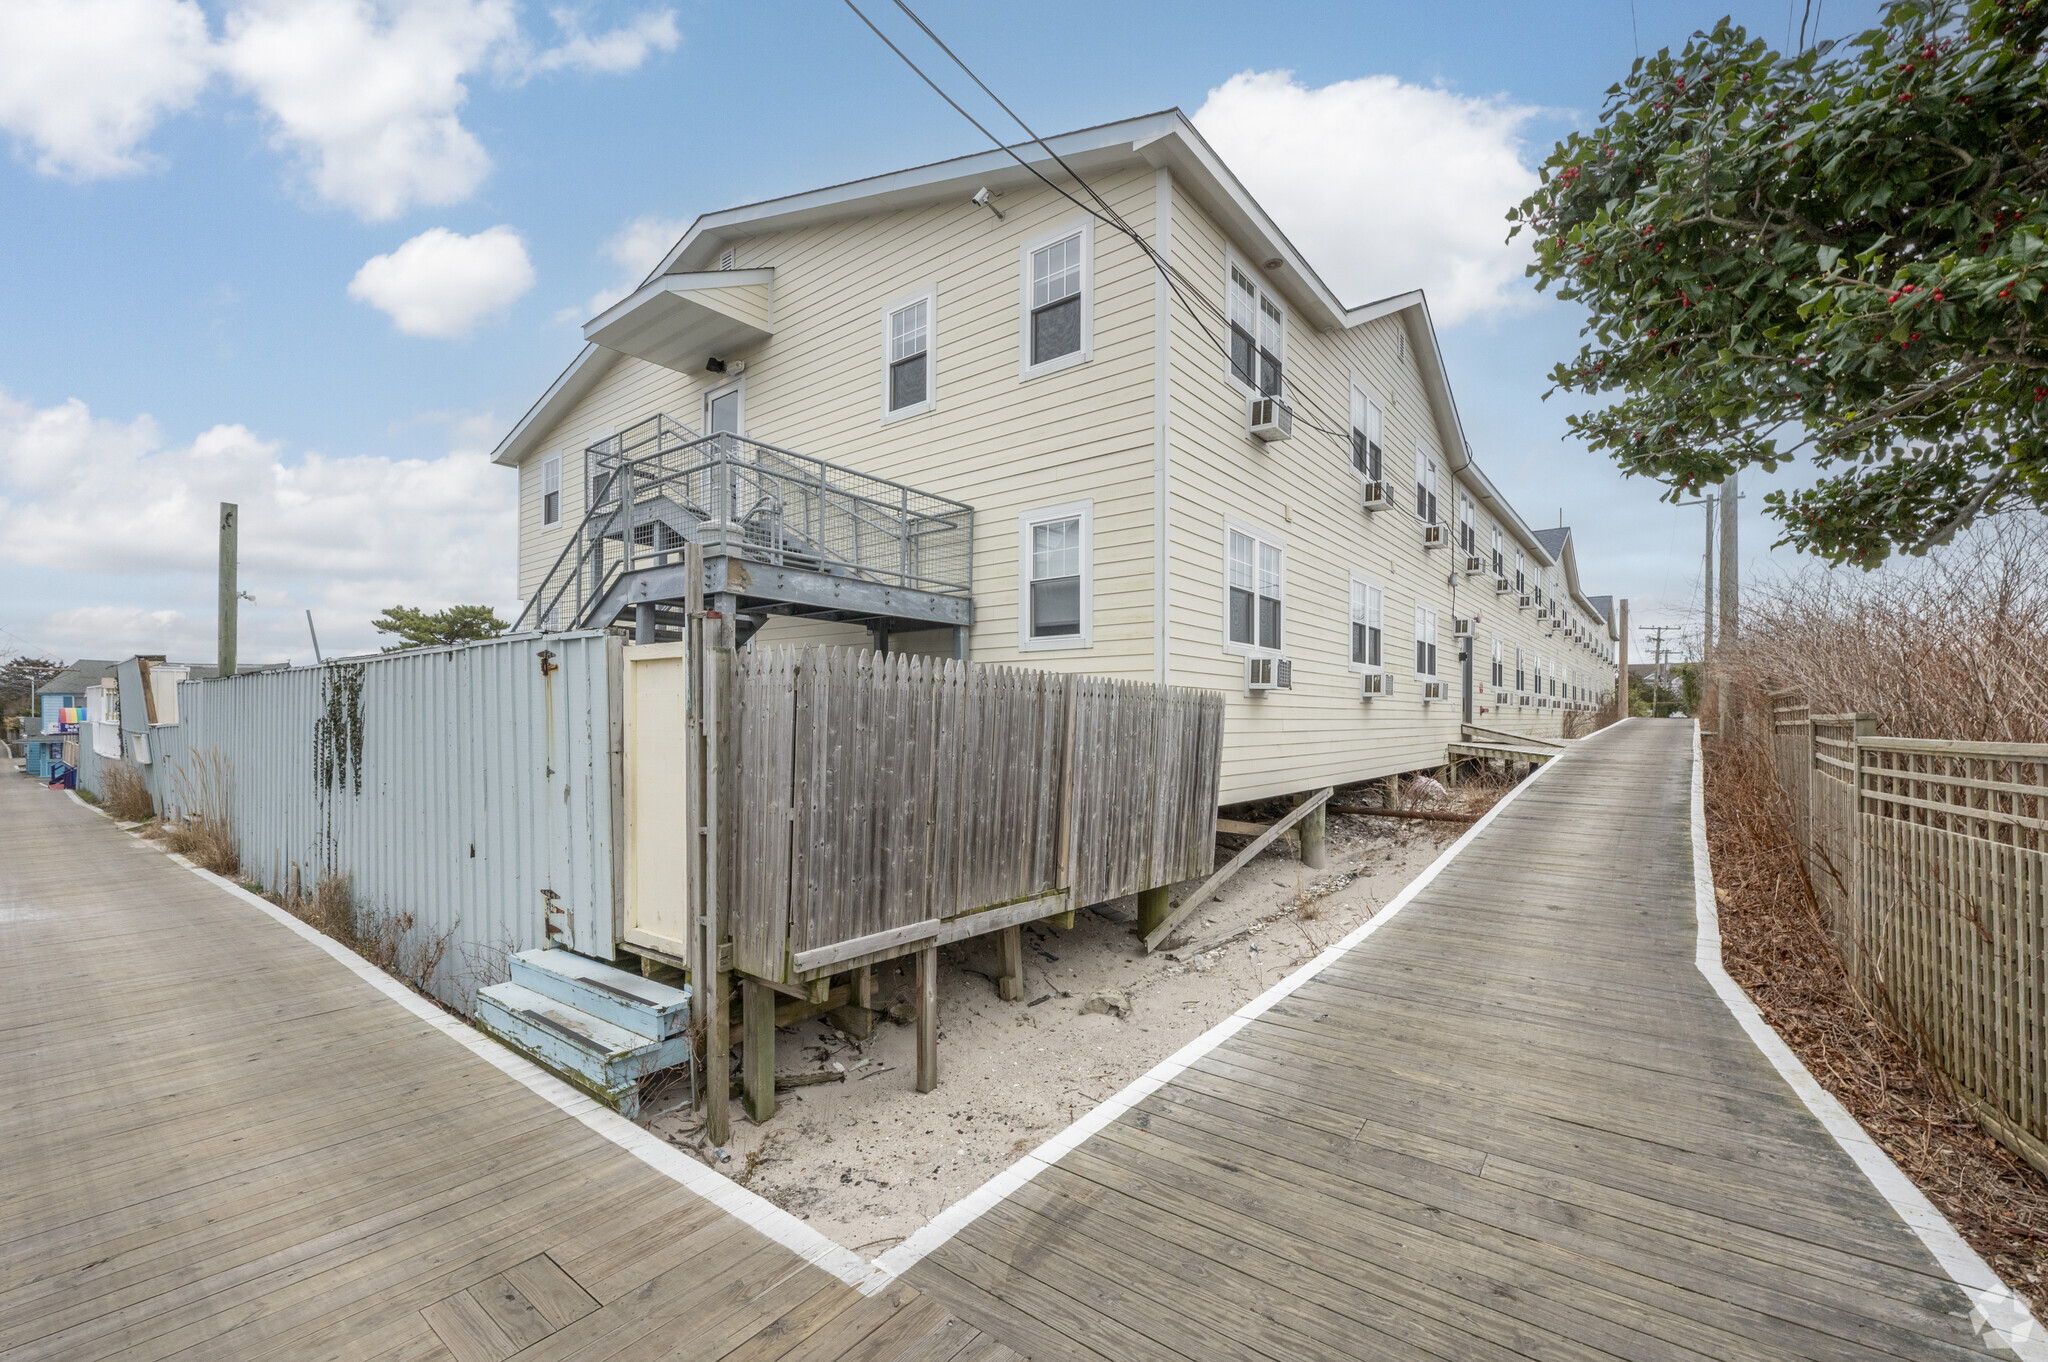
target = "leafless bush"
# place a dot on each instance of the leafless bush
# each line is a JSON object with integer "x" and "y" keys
{"x": 203, "y": 795}
{"x": 1578, "y": 723}
{"x": 127, "y": 798}
{"x": 1953, "y": 646}
{"x": 390, "y": 941}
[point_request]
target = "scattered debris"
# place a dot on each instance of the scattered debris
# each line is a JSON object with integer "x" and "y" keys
{"x": 1110, "y": 1000}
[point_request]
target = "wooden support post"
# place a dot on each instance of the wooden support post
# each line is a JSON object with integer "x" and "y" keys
{"x": 230, "y": 588}
{"x": 1010, "y": 964}
{"x": 1153, "y": 905}
{"x": 927, "y": 1018}
{"x": 1315, "y": 853}
{"x": 820, "y": 989}
{"x": 757, "y": 1051}
{"x": 857, "y": 1018}
{"x": 1394, "y": 790}
{"x": 717, "y": 1058}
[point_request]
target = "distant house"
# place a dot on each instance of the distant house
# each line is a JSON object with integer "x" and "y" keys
{"x": 1135, "y": 436}
{"x": 57, "y": 714}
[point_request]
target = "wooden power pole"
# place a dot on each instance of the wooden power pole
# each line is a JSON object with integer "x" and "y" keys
{"x": 229, "y": 591}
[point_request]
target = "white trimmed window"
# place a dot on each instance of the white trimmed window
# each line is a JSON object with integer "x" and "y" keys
{"x": 1258, "y": 333}
{"x": 1368, "y": 424}
{"x": 1056, "y": 577}
{"x": 1500, "y": 666}
{"x": 551, "y": 490}
{"x": 1521, "y": 669}
{"x": 1521, "y": 578}
{"x": 1425, "y": 641}
{"x": 1368, "y": 626}
{"x": 1499, "y": 561}
{"x": 1468, "y": 530}
{"x": 1255, "y": 590}
{"x": 1425, "y": 485}
{"x": 1058, "y": 300}
{"x": 907, "y": 358}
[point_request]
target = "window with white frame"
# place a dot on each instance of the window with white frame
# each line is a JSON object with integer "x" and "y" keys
{"x": 1500, "y": 666}
{"x": 1256, "y": 586}
{"x": 1056, "y": 299}
{"x": 907, "y": 360}
{"x": 1521, "y": 669}
{"x": 1258, "y": 333}
{"x": 1468, "y": 533}
{"x": 1367, "y": 424}
{"x": 1521, "y": 578}
{"x": 1425, "y": 640}
{"x": 1425, "y": 485}
{"x": 1056, "y": 578}
{"x": 1499, "y": 561}
{"x": 551, "y": 490}
{"x": 1368, "y": 626}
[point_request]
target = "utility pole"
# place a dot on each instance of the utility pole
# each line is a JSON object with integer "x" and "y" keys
{"x": 1621, "y": 662}
{"x": 1663, "y": 676}
{"x": 1724, "y": 693}
{"x": 229, "y": 516}
{"x": 1708, "y": 696}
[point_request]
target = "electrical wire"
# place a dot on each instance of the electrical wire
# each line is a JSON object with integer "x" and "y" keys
{"x": 1104, "y": 214}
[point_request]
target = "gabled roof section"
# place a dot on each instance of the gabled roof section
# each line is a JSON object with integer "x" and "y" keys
{"x": 1553, "y": 541}
{"x": 73, "y": 680}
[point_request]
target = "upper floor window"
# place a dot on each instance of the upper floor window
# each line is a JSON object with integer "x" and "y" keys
{"x": 1425, "y": 640}
{"x": 1256, "y": 586}
{"x": 1468, "y": 531}
{"x": 1258, "y": 334}
{"x": 1367, "y": 425}
{"x": 551, "y": 490}
{"x": 1521, "y": 579}
{"x": 1500, "y": 666}
{"x": 1055, "y": 587}
{"x": 1056, "y": 300}
{"x": 1499, "y": 563}
{"x": 909, "y": 359}
{"x": 1425, "y": 485}
{"x": 1368, "y": 634}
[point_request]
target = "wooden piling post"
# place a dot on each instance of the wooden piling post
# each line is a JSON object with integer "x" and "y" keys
{"x": 1394, "y": 790}
{"x": 1010, "y": 964}
{"x": 927, "y": 1018}
{"x": 757, "y": 1050}
{"x": 1315, "y": 853}
{"x": 857, "y": 1018}
{"x": 1153, "y": 906}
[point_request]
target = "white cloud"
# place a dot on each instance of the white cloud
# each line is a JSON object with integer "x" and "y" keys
{"x": 635, "y": 248}
{"x": 135, "y": 517}
{"x": 442, "y": 283}
{"x": 1385, "y": 186}
{"x": 83, "y": 82}
{"x": 622, "y": 49}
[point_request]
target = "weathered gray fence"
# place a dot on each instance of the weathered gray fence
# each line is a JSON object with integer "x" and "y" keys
{"x": 469, "y": 787}
{"x": 1929, "y": 862}
{"x": 878, "y": 793}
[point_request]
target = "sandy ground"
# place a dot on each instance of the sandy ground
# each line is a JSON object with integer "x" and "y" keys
{"x": 867, "y": 1160}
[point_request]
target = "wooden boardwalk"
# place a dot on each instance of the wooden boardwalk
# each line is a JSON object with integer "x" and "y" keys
{"x": 1515, "y": 1122}
{"x": 218, "y": 1142}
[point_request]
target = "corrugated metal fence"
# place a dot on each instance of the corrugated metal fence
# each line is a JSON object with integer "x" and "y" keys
{"x": 470, "y": 787}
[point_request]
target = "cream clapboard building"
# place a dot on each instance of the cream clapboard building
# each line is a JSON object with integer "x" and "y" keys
{"x": 1025, "y": 355}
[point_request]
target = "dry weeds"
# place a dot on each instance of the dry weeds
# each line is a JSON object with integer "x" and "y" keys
{"x": 204, "y": 831}
{"x": 127, "y": 798}
{"x": 390, "y": 941}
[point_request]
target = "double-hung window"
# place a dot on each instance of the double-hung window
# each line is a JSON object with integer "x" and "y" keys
{"x": 1258, "y": 334}
{"x": 1056, "y": 581}
{"x": 1521, "y": 669}
{"x": 1256, "y": 586}
{"x": 908, "y": 375}
{"x": 1056, "y": 299}
{"x": 1468, "y": 533}
{"x": 1367, "y": 424}
{"x": 1368, "y": 609}
{"x": 1499, "y": 562}
{"x": 1521, "y": 578}
{"x": 1499, "y": 675}
{"x": 1425, "y": 485}
{"x": 551, "y": 490}
{"x": 1425, "y": 641}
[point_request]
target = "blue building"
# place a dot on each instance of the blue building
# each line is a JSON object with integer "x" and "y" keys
{"x": 42, "y": 729}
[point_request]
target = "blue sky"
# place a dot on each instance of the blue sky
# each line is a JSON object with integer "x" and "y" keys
{"x": 176, "y": 289}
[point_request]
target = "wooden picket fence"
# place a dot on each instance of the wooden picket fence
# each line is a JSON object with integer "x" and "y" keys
{"x": 1929, "y": 863}
{"x": 879, "y": 794}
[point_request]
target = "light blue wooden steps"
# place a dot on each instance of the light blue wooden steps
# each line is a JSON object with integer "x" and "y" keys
{"x": 597, "y": 1027}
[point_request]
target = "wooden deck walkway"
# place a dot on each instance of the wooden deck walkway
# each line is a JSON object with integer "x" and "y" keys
{"x": 219, "y": 1142}
{"x": 1515, "y": 1122}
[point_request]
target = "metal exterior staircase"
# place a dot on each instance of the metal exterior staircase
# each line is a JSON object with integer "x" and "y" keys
{"x": 600, "y": 1028}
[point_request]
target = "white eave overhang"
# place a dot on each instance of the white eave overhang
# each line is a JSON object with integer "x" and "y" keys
{"x": 679, "y": 321}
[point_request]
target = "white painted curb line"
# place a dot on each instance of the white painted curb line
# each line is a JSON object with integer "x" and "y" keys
{"x": 1995, "y": 1308}
{"x": 965, "y": 1211}
{"x": 752, "y": 1209}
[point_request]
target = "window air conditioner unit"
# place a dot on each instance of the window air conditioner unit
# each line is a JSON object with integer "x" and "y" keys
{"x": 1267, "y": 673}
{"x": 1523, "y": 602}
{"x": 1502, "y": 586}
{"x": 1432, "y": 690}
{"x": 1461, "y": 627}
{"x": 1269, "y": 419}
{"x": 1474, "y": 565}
{"x": 1522, "y": 700}
{"x": 1432, "y": 536}
{"x": 1375, "y": 683}
{"x": 1372, "y": 496}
